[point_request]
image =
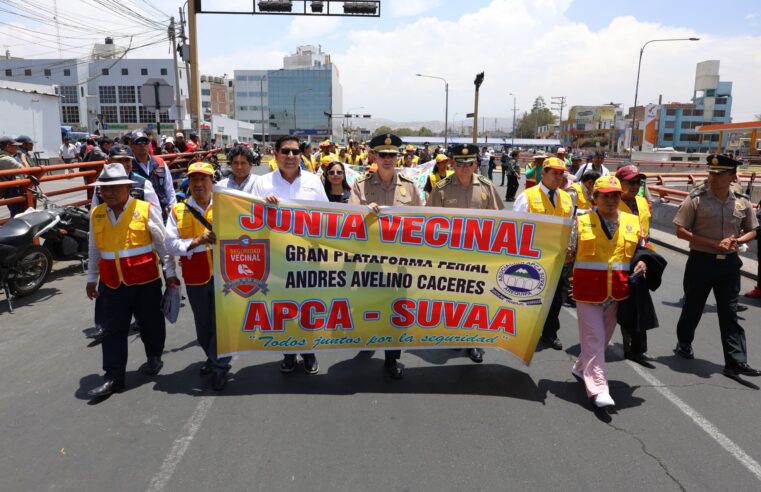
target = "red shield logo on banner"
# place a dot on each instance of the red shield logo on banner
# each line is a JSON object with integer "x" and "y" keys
{"x": 245, "y": 265}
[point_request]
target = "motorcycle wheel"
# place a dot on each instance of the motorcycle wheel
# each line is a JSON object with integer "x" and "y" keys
{"x": 31, "y": 270}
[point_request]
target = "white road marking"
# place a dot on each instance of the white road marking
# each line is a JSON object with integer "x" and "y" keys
{"x": 181, "y": 445}
{"x": 729, "y": 445}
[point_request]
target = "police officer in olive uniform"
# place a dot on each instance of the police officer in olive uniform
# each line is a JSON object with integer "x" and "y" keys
{"x": 466, "y": 189}
{"x": 386, "y": 187}
{"x": 715, "y": 220}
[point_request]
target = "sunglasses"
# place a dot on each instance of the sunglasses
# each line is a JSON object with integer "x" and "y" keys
{"x": 336, "y": 172}
{"x": 387, "y": 155}
{"x": 290, "y": 151}
{"x": 463, "y": 163}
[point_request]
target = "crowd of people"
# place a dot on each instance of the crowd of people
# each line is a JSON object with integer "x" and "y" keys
{"x": 139, "y": 229}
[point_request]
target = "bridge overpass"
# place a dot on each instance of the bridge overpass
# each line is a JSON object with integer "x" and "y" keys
{"x": 449, "y": 425}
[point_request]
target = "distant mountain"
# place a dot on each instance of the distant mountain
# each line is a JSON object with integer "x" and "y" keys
{"x": 502, "y": 124}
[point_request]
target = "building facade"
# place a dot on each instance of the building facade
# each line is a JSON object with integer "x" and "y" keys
{"x": 213, "y": 96}
{"x": 594, "y": 127}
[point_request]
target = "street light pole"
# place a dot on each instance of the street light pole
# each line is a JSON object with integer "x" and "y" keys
{"x": 294, "y": 107}
{"x": 446, "y": 105}
{"x": 261, "y": 102}
{"x": 639, "y": 67}
{"x": 514, "y": 110}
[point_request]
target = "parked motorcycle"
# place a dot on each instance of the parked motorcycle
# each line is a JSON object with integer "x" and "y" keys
{"x": 24, "y": 266}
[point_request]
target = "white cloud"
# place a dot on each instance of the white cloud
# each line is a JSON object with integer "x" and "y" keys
{"x": 311, "y": 27}
{"x": 532, "y": 49}
{"x": 409, "y": 8}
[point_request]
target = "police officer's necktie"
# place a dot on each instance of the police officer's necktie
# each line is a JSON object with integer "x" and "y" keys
{"x": 552, "y": 197}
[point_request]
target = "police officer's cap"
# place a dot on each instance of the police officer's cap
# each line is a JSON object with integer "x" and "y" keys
{"x": 718, "y": 163}
{"x": 464, "y": 153}
{"x": 386, "y": 142}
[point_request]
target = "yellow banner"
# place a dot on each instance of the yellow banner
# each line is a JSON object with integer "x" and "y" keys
{"x": 309, "y": 276}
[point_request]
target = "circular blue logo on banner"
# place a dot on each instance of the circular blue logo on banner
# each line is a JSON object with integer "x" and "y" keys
{"x": 522, "y": 279}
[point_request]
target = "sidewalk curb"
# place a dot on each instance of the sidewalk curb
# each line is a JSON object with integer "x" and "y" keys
{"x": 686, "y": 251}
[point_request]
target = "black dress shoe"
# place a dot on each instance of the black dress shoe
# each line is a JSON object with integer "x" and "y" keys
{"x": 741, "y": 307}
{"x": 205, "y": 369}
{"x": 288, "y": 364}
{"x": 684, "y": 350}
{"x": 153, "y": 365}
{"x": 476, "y": 355}
{"x": 553, "y": 343}
{"x": 105, "y": 389}
{"x": 641, "y": 359}
{"x": 311, "y": 366}
{"x": 394, "y": 369}
{"x": 219, "y": 381}
{"x": 741, "y": 369}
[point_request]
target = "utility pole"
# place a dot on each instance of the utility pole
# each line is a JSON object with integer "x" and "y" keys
{"x": 515, "y": 108}
{"x": 193, "y": 80}
{"x": 185, "y": 57}
{"x": 177, "y": 97}
{"x": 558, "y": 102}
{"x": 479, "y": 80}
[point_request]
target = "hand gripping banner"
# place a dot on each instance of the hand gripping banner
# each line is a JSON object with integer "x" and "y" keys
{"x": 305, "y": 276}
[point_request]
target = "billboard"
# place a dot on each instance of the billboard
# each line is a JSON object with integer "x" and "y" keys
{"x": 589, "y": 114}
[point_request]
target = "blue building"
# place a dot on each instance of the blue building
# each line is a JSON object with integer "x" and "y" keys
{"x": 711, "y": 104}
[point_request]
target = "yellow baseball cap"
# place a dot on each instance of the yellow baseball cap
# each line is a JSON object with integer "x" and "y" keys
{"x": 325, "y": 143}
{"x": 554, "y": 163}
{"x": 409, "y": 148}
{"x": 201, "y": 168}
{"x": 607, "y": 184}
{"x": 327, "y": 159}
{"x": 441, "y": 158}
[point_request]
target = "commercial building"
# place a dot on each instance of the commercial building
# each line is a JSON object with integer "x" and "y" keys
{"x": 711, "y": 104}
{"x": 300, "y": 98}
{"x": 101, "y": 92}
{"x": 594, "y": 127}
{"x": 213, "y": 96}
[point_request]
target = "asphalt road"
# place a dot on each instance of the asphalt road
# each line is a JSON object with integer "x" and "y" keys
{"x": 448, "y": 425}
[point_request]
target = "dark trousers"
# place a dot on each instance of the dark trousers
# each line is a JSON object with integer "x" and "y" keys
{"x": 504, "y": 173}
{"x": 702, "y": 274}
{"x": 634, "y": 340}
{"x": 201, "y": 298}
{"x": 393, "y": 354}
{"x": 119, "y": 305}
{"x": 552, "y": 323}
{"x": 13, "y": 208}
{"x": 512, "y": 187}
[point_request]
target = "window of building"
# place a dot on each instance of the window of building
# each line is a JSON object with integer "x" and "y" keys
{"x": 668, "y": 136}
{"x": 81, "y": 91}
{"x": 110, "y": 114}
{"x": 697, "y": 112}
{"x": 206, "y": 104}
{"x": 104, "y": 71}
{"x": 163, "y": 71}
{"x": 107, "y": 94}
{"x": 143, "y": 71}
{"x": 721, "y": 100}
{"x": 719, "y": 113}
{"x": 241, "y": 94}
{"x": 70, "y": 114}
{"x": 242, "y": 108}
{"x": 164, "y": 117}
{"x": 687, "y": 112}
{"x": 710, "y": 92}
{"x": 205, "y": 92}
{"x": 670, "y": 124}
{"x": 686, "y": 124}
{"x": 128, "y": 114}
{"x": 68, "y": 94}
{"x": 8, "y": 72}
{"x": 28, "y": 72}
{"x": 46, "y": 72}
{"x": 125, "y": 71}
{"x": 66, "y": 72}
{"x": 671, "y": 112}
{"x": 126, "y": 93}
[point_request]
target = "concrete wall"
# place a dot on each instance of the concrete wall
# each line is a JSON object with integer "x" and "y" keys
{"x": 33, "y": 114}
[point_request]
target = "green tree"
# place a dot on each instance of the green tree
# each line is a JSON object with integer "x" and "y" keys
{"x": 425, "y": 132}
{"x": 527, "y": 123}
{"x": 383, "y": 129}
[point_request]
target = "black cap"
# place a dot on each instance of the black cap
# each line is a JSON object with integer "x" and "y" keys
{"x": 139, "y": 136}
{"x": 599, "y": 153}
{"x": 119, "y": 151}
{"x": 718, "y": 163}
{"x": 24, "y": 139}
{"x": 386, "y": 142}
{"x": 464, "y": 152}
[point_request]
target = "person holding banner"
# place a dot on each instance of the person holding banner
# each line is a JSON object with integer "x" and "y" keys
{"x": 466, "y": 189}
{"x": 189, "y": 236}
{"x": 288, "y": 182}
{"x": 606, "y": 240}
{"x": 386, "y": 187}
{"x": 549, "y": 199}
{"x": 241, "y": 161}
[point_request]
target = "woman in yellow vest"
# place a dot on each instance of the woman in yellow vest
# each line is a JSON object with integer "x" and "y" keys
{"x": 192, "y": 240}
{"x": 606, "y": 240}
{"x": 631, "y": 181}
{"x": 126, "y": 242}
{"x": 581, "y": 192}
{"x": 440, "y": 171}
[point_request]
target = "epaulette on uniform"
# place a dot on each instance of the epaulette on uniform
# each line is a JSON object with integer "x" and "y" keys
{"x": 445, "y": 181}
{"x": 405, "y": 178}
{"x": 699, "y": 190}
{"x": 365, "y": 177}
{"x": 483, "y": 179}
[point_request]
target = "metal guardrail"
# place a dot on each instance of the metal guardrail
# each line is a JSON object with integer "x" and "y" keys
{"x": 89, "y": 171}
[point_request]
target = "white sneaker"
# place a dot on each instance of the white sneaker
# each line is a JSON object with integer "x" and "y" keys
{"x": 577, "y": 374}
{"x": 604, "y": 400}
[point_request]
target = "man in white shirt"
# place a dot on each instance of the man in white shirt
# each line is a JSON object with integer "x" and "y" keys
{"x": 68, "y": 152}
{"x": 288, "y": 182}
{"x": 241, "y": 161}
{"x": 597, "y": 159}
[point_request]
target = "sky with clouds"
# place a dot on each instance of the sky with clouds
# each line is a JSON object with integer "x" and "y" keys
{"x": 586, "y": 50}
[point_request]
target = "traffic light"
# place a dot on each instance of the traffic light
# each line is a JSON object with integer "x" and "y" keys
{"x": 275, "y": 5}
{"x": 479, "y": 80}
{"x": 366, "y": 8}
